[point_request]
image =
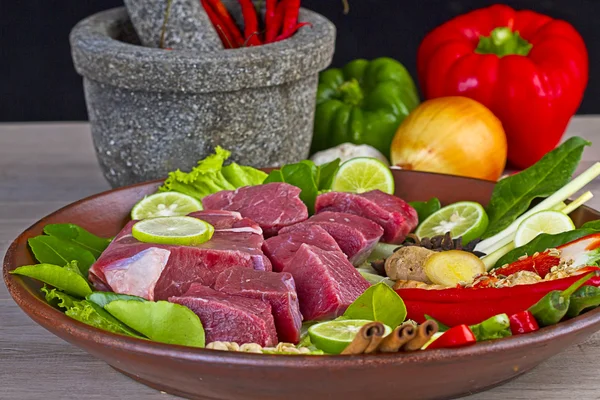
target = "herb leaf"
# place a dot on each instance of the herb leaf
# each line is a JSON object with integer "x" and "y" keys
{"x": 513, "y": 195}
{"x": 53, "y": 250}
{"x": 79, "y": 237}
{"x": 378, "y": 303}
{"x": 426, "y": 208}
{"x": 160, "y": 321}
{"x": 103, "y": 298}
{"x": 59, "y": 277}
{"x": 325, "y": 174}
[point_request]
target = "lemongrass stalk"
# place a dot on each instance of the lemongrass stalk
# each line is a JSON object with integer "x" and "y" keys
{"x": 491, "y": 259}
{"x": 499, "y": 240}
{"x": 575, "y": 204}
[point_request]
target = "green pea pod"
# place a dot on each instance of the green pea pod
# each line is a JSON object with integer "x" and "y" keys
{"x": 584, "y": 298}
{"x": 363, "y": 103}
{"x": 495, "y": 327}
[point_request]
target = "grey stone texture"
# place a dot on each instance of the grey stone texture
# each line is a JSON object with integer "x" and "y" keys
{"x": 153, "y": 111}
{"x": 188, "y": 26}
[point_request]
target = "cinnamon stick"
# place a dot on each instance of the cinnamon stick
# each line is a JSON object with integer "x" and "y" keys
{"x": 369, "y": 333}
{"x": 424, "y": 333}
{"x": 398, "y": 338}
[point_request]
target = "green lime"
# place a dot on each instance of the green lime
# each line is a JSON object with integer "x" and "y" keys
{"x": 465, "y": 218}
{"x": 363, "y": 174}
{"x": 165, "y": 204}
{"x": 552, "y": 222}
{"x": 334, "y": 336}
{"x": 184, "y": 231}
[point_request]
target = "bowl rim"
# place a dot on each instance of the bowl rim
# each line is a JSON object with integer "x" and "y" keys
{"x": 38, "y": 309}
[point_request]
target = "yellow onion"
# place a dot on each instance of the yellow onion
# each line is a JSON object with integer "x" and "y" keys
{"x": 451, "y": 135}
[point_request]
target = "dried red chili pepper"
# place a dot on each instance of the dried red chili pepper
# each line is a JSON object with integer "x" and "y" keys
{"x": 458, "y": 336}
{"x": 230, "y": 28}
{"x": 251, "y": 31}
{"x": 541, "y": 264}
{"x": 523, "y": 322}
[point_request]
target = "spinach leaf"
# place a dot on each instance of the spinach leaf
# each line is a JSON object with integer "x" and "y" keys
{"x": 378, "y": 303}
{"x": 60, "y": 277}
{"x": 426, "y": 208}
{"x": 92, "y": 314}
{"x": 513, "y": 195}
{"x": 78, "y": 236}
{"x": 54, "y": 250}
{"x": 160, "y": 321}
{"x": 103, "y": 298}
{"x": 56, "y": 298}
{"x": 325, "y": 174}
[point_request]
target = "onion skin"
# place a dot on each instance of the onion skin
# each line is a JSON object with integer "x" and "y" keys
{"x": 451, "y": 135}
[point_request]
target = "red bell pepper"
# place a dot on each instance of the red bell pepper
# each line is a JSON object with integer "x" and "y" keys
{"x": 523, "y": 322}
{"x": 458, "y": 336}
{"x": 527, "y": 68}
{"x": 540, "y": 263}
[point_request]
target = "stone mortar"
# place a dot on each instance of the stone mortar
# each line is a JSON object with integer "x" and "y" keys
{"x": 153, "y": 111}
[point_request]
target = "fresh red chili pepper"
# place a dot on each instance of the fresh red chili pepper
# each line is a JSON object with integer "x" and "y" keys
{"x": 232, "y": 31}
{"x": 220, "y": 27}
{"x": 270, "y": 19}
{"x": 541, "y": 264}
{"x": 291, "y": 10}
{"x": 523, "y": 322}
{"x": 274, "y": 28}
{"x": 458, "y": 336}
{"x": 293, "y": 31}
{"x": 251, "y": 31}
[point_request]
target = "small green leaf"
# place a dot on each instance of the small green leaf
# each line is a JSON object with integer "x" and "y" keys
{"x": 59, "y": 277}
{"x": 53, "y": 250}
{"x": 326, "y": 173}
{"x": 426, "y": 208}
{"x": 79, "y": 237}
{"x": 103, "y": 298}
{"x": 92, "y": 314}
{"x": 274, "y": 176}
{"x": 378, "y": 303}
{"x": 160, "y": 321}
{"x": 301, "y": 175}
{"x": 58, "y": 299}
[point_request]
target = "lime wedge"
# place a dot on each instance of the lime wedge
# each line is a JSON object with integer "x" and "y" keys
{"x": 334, "y": 336}
{"x": 184, "y": 231}
{"x": 552, "y": 222}
{"x": 465, "y": 218}
{"x": 363, "y": 174}
{"x": 165, "y": 204}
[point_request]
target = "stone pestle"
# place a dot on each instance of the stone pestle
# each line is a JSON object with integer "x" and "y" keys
{"x": 188, "y": 25}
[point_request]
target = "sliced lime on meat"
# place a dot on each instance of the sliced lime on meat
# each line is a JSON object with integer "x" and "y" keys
{"x": 363, "y": 174}
{"x": 165, "y": 204}
{"x": 184, "y": 231}
{"x": 465, "y": 218}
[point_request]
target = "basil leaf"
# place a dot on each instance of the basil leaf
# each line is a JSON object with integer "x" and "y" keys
{"x": 53, "y": 250}
{"x": 325, "y": 174}
{"x": 59, "y": 277}
{"x": 513, "y": 195}
{"x": 58, "y": 299}
{"x": 92, "y": 314}
{"x": 103, "y": 298}
{"x": 160, "y": 321}
{"x": 78, "y": 236}
{"x": 301, "y": 175}
{"x": 426, "y": 208}
{"x": 378, "y": 303}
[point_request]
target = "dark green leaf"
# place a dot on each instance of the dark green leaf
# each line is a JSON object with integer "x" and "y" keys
{"x": 92, "y": 314}
{"x": 58, "y": 299}
{"x": 378, "y": 303}
{"x": 103, "y": 298}
{"x": 160, "y": 321}
{"x": 59, "y": 277}
{"x": 274, "y": 176}
{"x": 301, "y": 175}
{"x": 513, "y": 195}
{"x": 325, "y": 174}
{"x": 79, "y": 237}
{"x": 53, "y": 250}
{"x": 426, "y": 208}
{"x": 595, "y": 225}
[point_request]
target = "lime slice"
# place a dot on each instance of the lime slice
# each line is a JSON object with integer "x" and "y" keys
{"x": 165, "y": 204}
{"x": 363, "y": 174}
{"x": 465, "y": 218}
{"x": 334, "y": 336}
{"x": 552, "y": 222}
{"x": 184, "y": 231}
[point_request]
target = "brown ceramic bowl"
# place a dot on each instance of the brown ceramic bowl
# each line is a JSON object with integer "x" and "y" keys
{"x": 207, "y": 374}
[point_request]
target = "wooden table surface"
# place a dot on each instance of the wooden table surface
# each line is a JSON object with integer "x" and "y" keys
{"x": 46, "y": 166}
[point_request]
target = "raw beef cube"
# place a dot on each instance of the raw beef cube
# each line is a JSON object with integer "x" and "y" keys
{"x": 326, "y": 282}
{"x": 155, "y": 271}
{"x": 276, "y": 289}
{"x": 281, "y": 248}
{"x": 227, "y": 318}
{"x": 396, "y": 217}
{"x": 273, "y": 206}
{"x": 356, "y": 236}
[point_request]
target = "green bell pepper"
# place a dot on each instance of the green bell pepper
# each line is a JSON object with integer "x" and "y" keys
{"x": 363, "y": 103}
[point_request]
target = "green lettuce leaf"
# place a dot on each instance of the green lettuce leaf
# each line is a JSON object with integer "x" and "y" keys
{"x": 56, "y": 298}
{"x": 63, "y": 278}
{"x": 92, "y": 314}
{"x": 426, "y": 208}
{"x": 209, "y": 177}
{"x": 378, "y": 303}
{"x": 103, "y": 298}
{"x": 160, "y": 321}
{"x": 78, "y": 236}
{"x": 56, "y": 251}
{"x": 513, "y": 195}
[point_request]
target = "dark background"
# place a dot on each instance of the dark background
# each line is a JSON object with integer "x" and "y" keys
{"x": 38, "y": 82}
